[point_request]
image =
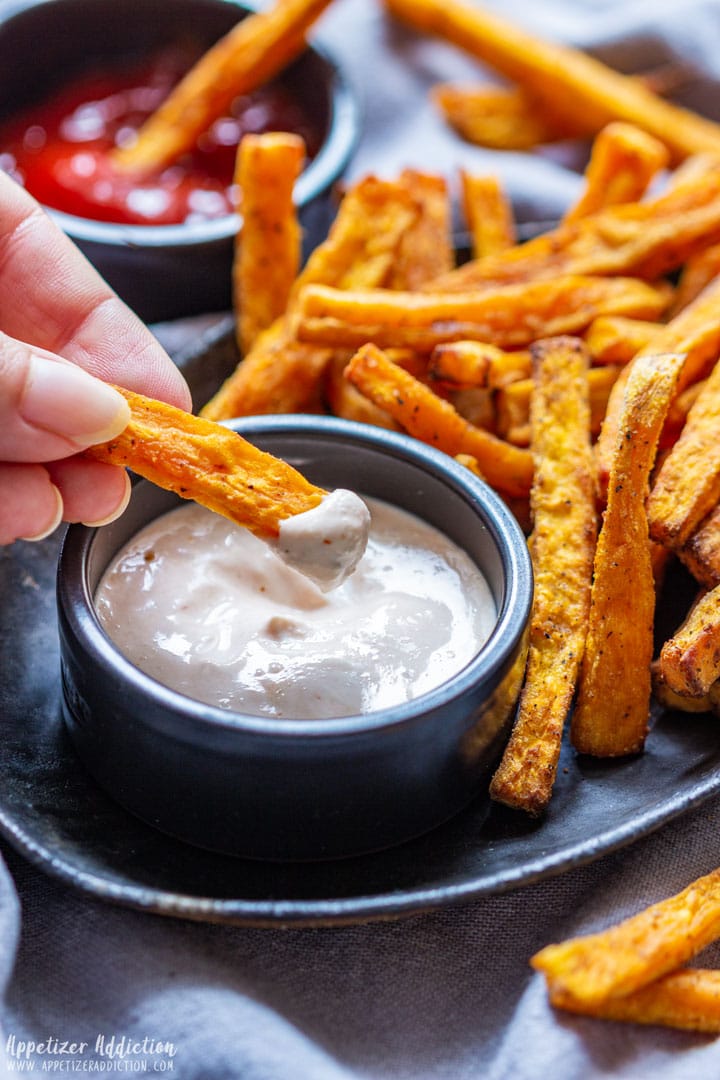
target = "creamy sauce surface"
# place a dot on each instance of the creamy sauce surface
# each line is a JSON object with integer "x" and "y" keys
{"x": 206, "y": 608}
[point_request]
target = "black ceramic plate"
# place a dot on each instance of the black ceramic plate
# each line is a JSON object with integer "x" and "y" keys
{"x": 52, "y": 811}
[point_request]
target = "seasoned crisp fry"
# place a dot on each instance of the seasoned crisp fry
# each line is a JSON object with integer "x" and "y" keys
{"x": 690, "y": 659}
{"x": 701, "y": 551}
{"x": 466, "y": 364}
{"x": 502, "y": 119}
{"x": 563, "y": 546}
{"x": 488, "y": 214}
{"x": 614, "y": 339}
{"x": 669, "y": 699}
{"x": 255, "y": 50}
{"x": 687, "y": 486}
{"x": 573, "y": 84}
{"x": 513, "y": 403}
{"x": 695, "y": 332}
{"x": 345, "y": 401}
{"x": 688, "y": 999}
{"x": 611, "y": 713}
{"x": 425, "y": 249}
{"x": 623, "y": 161}
{"x": 362, "y": 245}
{"x": 210, "y": 464}
{"x": 510, "y": 316}
{"x": 697, "y": 273}
{"x": 426, "y": 416}
{"x": 267, "y": 255}
{"x": 647, "y": 239}
{"x": 616, "y": 962}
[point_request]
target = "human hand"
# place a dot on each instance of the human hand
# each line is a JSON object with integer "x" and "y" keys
{"x": 64, "y": 335}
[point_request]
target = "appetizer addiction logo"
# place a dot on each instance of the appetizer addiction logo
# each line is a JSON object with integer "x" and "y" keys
{"x": 107, "y": 1054}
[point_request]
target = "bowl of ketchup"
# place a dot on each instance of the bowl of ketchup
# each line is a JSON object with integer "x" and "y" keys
{"x": 99, "y": 69}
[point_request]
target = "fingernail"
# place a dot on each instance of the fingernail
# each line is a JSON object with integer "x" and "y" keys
{"x": 119, "y": 509}
{"x": 64, "y": 399}
{"x": 55, "y": 521}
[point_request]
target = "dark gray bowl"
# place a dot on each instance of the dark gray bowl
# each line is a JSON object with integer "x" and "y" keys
{"x": 165, "y": 272}
{"x": 301, "y": 789}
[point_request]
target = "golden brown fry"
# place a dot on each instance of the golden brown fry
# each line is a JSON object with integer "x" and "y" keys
{"x": 563, "y": 545}
{"x": 425, "y": 249}
{"x": 488, "y": 214}
{"x": 466, "y": 364}
{"x": 701, "y": 551}
{"x": 623, "y": 161}
{"x": 616, "y": 962}
{"x": 697, "y": 273}
{"x": 267, "y": 255}
{"x": 208, "y": 463}
{"x": 611, "y": 714}
{"x": 571, "y": 83}
{"x": 695, "y": 332}
{"x": 688, "y": 999}
{"x": 647, "y": 239}
{"x": 255, "y": 50}
{"x": 687, "y": 486}
{"x": 345, "y": 401}
{"x": 690, "y": 659}
{"x": 432, "y": 420}
{"x": 614, "y": 339}
{"x": 502, "y": 119}
{"x": 669, "y": 699}
{"x": 510, "y": 316}
{"x": 513, "y": 402}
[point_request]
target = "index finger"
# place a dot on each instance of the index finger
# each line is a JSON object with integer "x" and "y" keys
{"x": 51, "y": 297}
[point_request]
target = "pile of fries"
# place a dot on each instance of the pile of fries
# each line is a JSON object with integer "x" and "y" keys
{"x": 577, "y": 373}
{"x": 568, "y": 372}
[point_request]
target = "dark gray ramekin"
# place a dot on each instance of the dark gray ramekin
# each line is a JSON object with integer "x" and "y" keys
{"x": 167, "y": 271}
{"x": 302, "y": 789}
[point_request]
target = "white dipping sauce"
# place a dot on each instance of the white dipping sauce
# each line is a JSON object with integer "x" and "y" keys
{"x": 327, "y": 542}
{"x": 206, "y": 608}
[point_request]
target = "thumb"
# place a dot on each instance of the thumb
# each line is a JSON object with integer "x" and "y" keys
{"x": 50, "y": 408}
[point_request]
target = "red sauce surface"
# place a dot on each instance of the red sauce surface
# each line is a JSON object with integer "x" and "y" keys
{"x": 58, "y": 149}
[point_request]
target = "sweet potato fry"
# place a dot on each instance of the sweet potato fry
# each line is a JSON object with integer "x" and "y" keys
{"x": 697, "y": 273}
{"x": 614, "y": 339}
{"x": 513, "y": 402}
{"x": 612, "y": 709}
{"x": 701, "y": 551}
{"x": 502, "y": 119}
{"x": 210, "y": 464}
{"x": 694, "y": 332}
{"x": 267, "y": 255}
{"x": 425, "y": 249}
{"x": 690, "y": 659}
{"x": 426, "y": 416}
{"x": 510, "y": 316}
{"x": 345, "y": 401}
{"x": 618, "y": 961}
{"x": 573, "y": 84}
{"x": 669, "y": 699}
{"x": 688, "y": 999}
{"x": 562, "y": 501}
{"x": 647, "y": 239}
{"x": 623, "y": 161}
{"x": 488, "y": 214}
{"x": 465, "y": 364}
{"x": 255, "y": 50}
{"x": 687, "y": 486}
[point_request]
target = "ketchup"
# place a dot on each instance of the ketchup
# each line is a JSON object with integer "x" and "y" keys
{"x": 58, "y": 149}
